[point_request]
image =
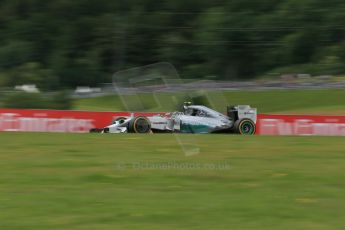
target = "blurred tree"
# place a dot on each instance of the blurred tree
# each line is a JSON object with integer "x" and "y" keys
{"x": 83, "y": 42}
{"x": 33, "y": 73}
{"x": 14, "y": 53}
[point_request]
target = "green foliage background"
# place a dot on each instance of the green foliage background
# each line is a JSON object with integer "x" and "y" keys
{"x": 61, "y": 43}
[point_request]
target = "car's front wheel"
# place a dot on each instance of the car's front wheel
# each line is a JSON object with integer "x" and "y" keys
{"x": 95, "y": 130}
{"x": 139, "y": 125}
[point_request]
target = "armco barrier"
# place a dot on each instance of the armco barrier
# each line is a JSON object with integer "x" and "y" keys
{"x": 81, "y": 121}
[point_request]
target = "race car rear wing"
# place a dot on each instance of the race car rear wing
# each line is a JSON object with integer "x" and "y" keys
{"x": 242, "y": 111}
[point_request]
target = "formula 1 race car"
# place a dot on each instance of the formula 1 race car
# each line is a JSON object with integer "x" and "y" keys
{"x": 194, "y": 119}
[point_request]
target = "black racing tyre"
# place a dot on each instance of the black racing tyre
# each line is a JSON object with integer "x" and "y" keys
{"x": 245, "y": 127}
{"x": 139, "y": 125}
{"x": 96, "y": 130}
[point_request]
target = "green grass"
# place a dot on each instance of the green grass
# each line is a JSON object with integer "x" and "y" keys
{"x": 276, "y": 101}
{"x": 82, "y": 181}
{"x": 105, "y": 103}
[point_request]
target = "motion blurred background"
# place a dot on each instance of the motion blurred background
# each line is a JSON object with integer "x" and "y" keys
{"x": 285, "y": 57}
{"x": 54, "y": 46}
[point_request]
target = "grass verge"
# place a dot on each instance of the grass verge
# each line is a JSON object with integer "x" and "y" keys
{"x": 276, "y": 101}
{"x": 84, "y": 181}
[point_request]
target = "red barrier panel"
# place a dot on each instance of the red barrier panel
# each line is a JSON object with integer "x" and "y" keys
{"x": 300, "y": 125}
{"x": 21, "y": 120}
{"x": 82, "y": 121}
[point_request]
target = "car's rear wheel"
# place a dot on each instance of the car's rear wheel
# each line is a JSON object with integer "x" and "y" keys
{"x": 245, "y": 127}
{"x": 140, "y": 125}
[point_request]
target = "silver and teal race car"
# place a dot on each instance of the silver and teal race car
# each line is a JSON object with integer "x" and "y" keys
{"x": 240, "y": 119}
